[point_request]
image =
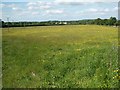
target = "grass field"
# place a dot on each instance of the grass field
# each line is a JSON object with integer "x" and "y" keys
{"x": 83, "y": 56}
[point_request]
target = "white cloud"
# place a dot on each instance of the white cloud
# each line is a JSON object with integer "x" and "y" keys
{"x": 35, "y": 13}
{"x": 68, "y": 3}
{"x": 16, "y": 9}
{"x": 54, "y": 11}
{"x": 39, "y": 5}
{"x": 12, "y": 6}
{"x": 9, "y": 6}
{"x": 78, "y": 1}
{"x": 45, "y": 7}
{"x": 31, "y": 3}
{"x": 82, "y": 2}
{"x": 116, "y": 9}
{"x": 98, "y": 11}
{"x": 32, "y": 7}
{"x": 2, "y": 5}
{"x": 94, "y": 10}
{"x": 26, "y": 13}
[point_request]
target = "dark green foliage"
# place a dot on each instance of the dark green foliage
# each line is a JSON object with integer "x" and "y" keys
{"x": 112, "y": 21}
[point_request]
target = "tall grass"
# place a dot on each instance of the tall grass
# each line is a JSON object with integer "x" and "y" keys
{"x": 60, "y": 56}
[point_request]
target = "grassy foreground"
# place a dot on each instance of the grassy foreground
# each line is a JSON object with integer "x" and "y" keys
{"x": 60, "y": 56}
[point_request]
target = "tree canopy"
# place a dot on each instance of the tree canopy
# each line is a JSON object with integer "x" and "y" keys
{"x": 112, "y": 21}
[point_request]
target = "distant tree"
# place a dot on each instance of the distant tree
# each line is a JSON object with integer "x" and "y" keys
{"x": 98, "y": 21}
{"x": 112, "y": 20}
{"x": 2, "y": 24}
{"x": 118, "y": 22}
{"x": 105, "y": 22}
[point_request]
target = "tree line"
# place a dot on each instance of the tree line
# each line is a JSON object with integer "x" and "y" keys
{"x": 112, "y": 21}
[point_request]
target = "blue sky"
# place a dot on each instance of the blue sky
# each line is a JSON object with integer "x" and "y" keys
{"x": 44, "y": 10}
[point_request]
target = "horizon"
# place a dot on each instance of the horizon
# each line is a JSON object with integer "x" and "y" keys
{"x": 61, "y": 20}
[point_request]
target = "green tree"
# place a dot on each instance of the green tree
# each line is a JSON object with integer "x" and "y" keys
{"x": 112, "y": 20}
{"x": 98, "y": 21}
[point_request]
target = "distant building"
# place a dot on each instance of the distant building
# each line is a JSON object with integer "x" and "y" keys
{"x": 64, "y": 22}
{"x": 60, "y": 22}
{"x": 56, "y": 23}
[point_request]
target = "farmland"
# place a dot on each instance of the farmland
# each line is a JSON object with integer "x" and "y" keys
{"x": 60, "y": 56}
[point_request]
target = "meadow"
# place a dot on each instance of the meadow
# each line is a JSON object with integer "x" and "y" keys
{"x": 69, "y": 56}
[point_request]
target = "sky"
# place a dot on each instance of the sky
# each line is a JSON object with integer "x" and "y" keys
{"x": 45, "y": 10}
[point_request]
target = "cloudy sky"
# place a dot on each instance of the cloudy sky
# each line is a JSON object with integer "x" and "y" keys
{"x": 44, "y": 10}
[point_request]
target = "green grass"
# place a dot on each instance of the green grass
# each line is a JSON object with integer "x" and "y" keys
{"x": 83, "y": 56}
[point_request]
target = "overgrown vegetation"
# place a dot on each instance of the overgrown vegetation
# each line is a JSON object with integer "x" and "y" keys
{"x": 109, "y": 22}
{"x": 83, "y": 56}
